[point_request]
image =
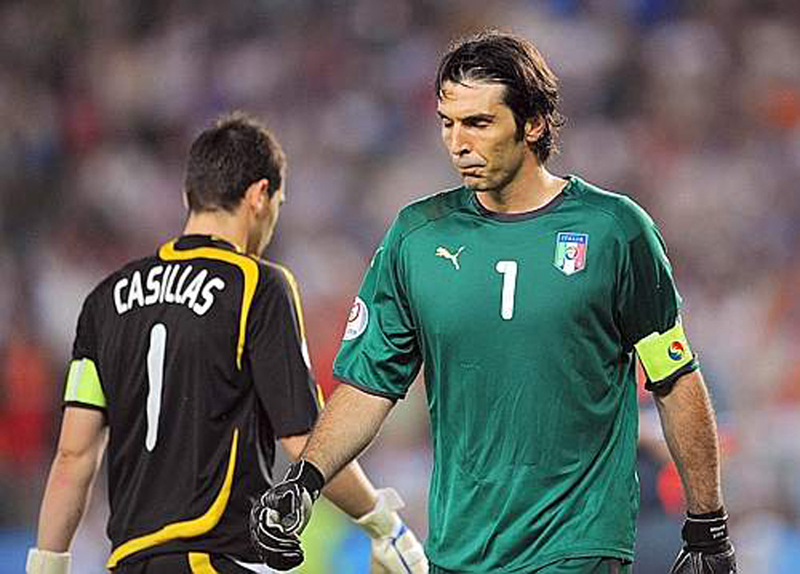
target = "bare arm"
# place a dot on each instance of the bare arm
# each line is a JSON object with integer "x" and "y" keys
{"x": 80, "y": 449}
{"x": 350, "y": 489}
{"x": 349, "y": 422}
{"x": 687, "y": 419}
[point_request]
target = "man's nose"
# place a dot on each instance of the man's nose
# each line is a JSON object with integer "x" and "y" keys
{"x": 458, "y": 143}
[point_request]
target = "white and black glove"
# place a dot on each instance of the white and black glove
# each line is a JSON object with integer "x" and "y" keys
{"x": 707, "y": 547}
{"x": 395, "y": 549}
{"x": 47, "y": 562}
{"x": 279, "y": 516}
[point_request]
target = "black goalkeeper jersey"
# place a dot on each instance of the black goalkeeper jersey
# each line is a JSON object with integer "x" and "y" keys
{"x": 197, "y": 357}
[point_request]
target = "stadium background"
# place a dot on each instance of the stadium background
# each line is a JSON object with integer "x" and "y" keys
{"x": 693, "y": 108}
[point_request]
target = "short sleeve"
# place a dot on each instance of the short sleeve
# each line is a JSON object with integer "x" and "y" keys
{"x": 380, "y": 351}
{"x": 649, "y": 309}
{"x": 278, "y": 356}
{"x": 83, "y": 387}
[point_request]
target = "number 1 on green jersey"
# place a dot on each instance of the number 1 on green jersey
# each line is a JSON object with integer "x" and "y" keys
{"x": 508, "y": 269}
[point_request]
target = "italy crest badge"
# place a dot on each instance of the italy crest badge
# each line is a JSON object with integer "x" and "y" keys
{"x": 571, "y": 252}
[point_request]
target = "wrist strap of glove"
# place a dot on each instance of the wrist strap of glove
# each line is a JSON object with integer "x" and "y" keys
{"x": 707, "y": 532}
{"x": 308, "y": 476}
{"x": 383, "y": 520}
{"x": 47, "y": 562}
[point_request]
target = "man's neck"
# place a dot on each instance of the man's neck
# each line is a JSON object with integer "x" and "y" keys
{"x": 221, "y": 224}
{"x": 531, "y": 189}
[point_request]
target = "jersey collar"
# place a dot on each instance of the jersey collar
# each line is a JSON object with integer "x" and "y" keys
{"x": 512, "y": 217}
{"x": 193, "y": 241}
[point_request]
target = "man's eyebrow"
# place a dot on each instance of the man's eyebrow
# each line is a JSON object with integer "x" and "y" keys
{"x": 473, "y": 117}
{"x": 479, "y": 116}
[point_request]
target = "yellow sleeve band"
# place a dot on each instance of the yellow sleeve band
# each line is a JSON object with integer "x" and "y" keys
{"x": 83, "y": 384}
{"x": 663, "y": 354}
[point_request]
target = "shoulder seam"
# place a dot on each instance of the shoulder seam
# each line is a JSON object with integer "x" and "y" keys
{"x": 293, "y": 289}
{"x": 425, "y": 223}
{"x": 610, "y": 214}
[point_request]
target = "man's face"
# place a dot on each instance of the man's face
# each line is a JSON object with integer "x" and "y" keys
{"x": 265, "y": 222}
{"x": 480, "y": 134}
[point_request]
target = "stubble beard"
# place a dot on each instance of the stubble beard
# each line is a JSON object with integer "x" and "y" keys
{"x": 496, "y": 189}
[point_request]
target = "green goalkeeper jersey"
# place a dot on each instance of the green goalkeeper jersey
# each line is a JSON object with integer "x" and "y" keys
{"x": 526, "y": 326}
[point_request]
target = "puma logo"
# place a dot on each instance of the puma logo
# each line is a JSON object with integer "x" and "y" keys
{"x": 443, "y": 252}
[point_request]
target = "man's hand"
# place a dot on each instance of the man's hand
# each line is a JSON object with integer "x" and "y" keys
{"x": 395, "y": 549}
{"x": 46, "y": 562}
{"x": 707, "y": 547}
{"x": 281, "y": 514}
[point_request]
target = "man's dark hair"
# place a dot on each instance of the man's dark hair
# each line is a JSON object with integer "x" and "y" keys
{"x": 228, "y": 158}
{"x": 531, "y": 87}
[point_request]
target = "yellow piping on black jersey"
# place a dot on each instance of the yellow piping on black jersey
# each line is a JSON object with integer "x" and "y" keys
{"x": 249, "y": 269}
{"x": 295, "y": 289}
{"x": 187, "y": 528}
{"x": 295, "y": 297}
{"x": 200, "y": 563}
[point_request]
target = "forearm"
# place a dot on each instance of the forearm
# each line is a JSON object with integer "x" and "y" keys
{"x": 348, "y": 424}
{"x": 80, "y": 449}
{"x": 690, "y": 429}
{"x": 350, "y": 489}
{"x": 65, "y": 498}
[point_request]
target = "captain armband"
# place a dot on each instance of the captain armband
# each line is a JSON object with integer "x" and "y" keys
{"x": 666, "y": 357}
{"x": 83, "y": 384}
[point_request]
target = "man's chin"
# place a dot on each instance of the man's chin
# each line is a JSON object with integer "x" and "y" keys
{"x": 472, "y": 182}
{"x": 476, "y": 184}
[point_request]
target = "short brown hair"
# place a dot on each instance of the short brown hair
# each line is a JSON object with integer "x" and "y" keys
{"x": 531, "y": 87}
{"x": 229, "y": 157}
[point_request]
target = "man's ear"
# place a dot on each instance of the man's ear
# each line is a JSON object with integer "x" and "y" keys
{"x": 534, "y": 128}
{"x": 256, "y": 195}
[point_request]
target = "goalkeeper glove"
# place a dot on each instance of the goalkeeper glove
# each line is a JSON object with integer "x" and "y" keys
{"x": 46, "y": 562}
{"x": 279, "y": 516}
{"x": 395, "y": 549}
{"x": 707, "y": 548}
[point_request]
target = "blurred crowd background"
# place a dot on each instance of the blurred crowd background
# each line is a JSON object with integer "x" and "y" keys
{"x": 692, "y": 108}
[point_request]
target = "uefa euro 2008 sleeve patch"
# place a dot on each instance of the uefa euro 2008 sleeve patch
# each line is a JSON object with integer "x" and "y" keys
{"x": 663, "y": 354}
{"x": 357, "y": 320}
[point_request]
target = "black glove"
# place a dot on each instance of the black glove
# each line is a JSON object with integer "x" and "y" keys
{"x": 282, "y": 512}
{"x": 707, "y": 548}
